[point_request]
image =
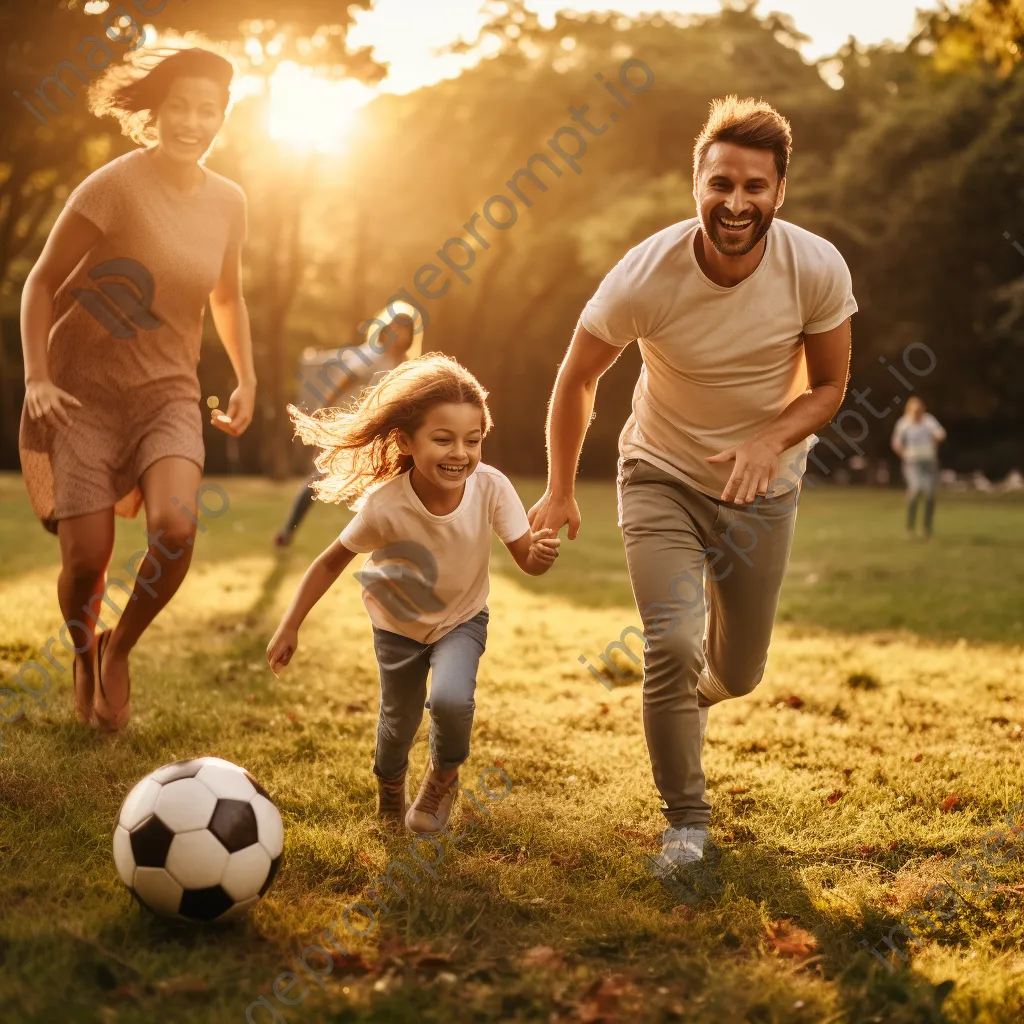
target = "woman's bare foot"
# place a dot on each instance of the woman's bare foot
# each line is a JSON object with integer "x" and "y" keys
{"x": 84, "y": 674}
{"x": 113, "y": 684}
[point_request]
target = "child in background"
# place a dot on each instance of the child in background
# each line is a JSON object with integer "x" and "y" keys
{"x": 407, "y": 459}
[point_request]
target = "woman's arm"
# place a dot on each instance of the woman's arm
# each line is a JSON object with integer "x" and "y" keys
{"x": 231, "y": 318}
{"x": 319, "y": 578}
{"x": 70, "y": 239}
{"x": 535, "y": 552}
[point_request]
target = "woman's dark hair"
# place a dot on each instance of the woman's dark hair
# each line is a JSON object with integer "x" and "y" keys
{"x": 133, "y": 92}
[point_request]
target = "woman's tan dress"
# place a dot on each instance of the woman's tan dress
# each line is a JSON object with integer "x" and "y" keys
{"x": 126, "y": 337}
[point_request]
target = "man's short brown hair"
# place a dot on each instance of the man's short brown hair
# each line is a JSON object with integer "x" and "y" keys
{"x": 746, "y": 122}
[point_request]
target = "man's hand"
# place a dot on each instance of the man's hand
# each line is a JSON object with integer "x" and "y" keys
{"x": 757, "y": 465}
{"x": 553, "y": 513}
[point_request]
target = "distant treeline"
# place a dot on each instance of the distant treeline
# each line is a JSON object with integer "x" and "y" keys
{"x": 904, "y": 167}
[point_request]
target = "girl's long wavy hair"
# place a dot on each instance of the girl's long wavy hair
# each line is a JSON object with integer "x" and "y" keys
{"x": 359, "y": 445}
{"x": 134, "y": 91}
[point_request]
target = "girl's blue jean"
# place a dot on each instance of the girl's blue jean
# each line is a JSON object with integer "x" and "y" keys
{"x": 404, "y": 663}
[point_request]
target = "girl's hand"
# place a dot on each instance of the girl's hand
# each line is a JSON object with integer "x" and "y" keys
{"x": 239, "y": 414}
{"x": 45, "y": 401}
{"x": 544, "y": 545}
{"x": 281, "y": 648}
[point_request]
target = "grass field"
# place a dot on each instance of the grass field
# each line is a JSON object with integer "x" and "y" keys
{"x": 884, "y": 743}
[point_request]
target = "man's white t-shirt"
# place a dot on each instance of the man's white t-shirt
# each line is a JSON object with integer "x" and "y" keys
{"x": 719, "y": 363}
{"x": 427, "y": 574}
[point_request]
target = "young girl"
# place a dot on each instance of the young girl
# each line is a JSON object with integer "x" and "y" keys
{"x": 407, "y": 459}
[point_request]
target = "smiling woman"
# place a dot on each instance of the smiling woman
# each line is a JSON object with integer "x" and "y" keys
{"x": 112, "y": 319}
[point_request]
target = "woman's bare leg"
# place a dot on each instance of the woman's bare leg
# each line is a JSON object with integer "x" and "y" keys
{"x": 86, "y": 543}
{"x": 169, "y": 489}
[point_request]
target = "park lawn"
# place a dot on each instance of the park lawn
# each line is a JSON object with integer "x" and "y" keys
{"x": 893, "y": 685}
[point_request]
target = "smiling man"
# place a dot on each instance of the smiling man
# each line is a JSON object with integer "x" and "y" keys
{"x": 743, "y": 322}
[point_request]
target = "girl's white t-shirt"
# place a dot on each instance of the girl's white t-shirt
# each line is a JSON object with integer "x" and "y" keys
{"x": 426, "y": 574}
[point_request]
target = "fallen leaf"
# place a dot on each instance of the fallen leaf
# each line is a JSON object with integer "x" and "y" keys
{"x": 632, "y": 833}
{"x": 544, "y": 958}
{"x": 736, "y": 790}
{"x": 364, "y": 857}
{"x": 431, "y": 963}
{"x": 835, "y": 796}
{"x": 605, "y": 708}
{"x": 793, "y": 702}
{"x": 893, "y": 845}
{"x": 181, "y": 987}
{"x": 866, "y": 851}
{"x": 949, "y": 803}
{"x": 499, "y": 764}
{"x": 351, "y": 963}
{"x": 601, "y": 999}
{"x": 563, "y": 860}
{"x": 919, "y": 757}
{"x": 789, "y": 940}
{"x": 940, "y": 856}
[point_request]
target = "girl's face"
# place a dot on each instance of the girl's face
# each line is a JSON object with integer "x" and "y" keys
{"x": 446, "y": 448}
{"x": 189, "y": 119}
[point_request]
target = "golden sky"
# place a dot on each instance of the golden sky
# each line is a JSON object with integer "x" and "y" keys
{"x": 404, "y": 32}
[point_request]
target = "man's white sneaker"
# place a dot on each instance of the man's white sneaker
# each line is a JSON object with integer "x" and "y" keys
{"x": 679, "y": 846}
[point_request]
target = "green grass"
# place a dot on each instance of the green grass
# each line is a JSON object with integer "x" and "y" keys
{"x": 893, "y": 679}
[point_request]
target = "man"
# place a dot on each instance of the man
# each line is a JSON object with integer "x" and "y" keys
{"x": 743, "y": 323}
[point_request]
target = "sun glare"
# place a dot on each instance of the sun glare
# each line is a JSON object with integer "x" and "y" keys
{"x": 309, "y": 111}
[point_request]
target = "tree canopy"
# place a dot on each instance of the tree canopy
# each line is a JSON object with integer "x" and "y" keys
{"x": 907, "y": 157}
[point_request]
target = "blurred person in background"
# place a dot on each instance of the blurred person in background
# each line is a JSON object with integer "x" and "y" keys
{"x": 915, "y": 439}
{"x": 390, "y": 339}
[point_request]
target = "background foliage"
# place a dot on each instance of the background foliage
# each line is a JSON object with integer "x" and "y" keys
{"x": 910, "y": 159}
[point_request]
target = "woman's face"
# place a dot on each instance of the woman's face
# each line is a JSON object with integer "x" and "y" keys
{"x": 915, "y": 408}
{"x": 189, "y": 119}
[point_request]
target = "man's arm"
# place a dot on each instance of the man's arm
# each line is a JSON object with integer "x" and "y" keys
{"x": 757, "y": 459}
{"x": 569, "y": 415}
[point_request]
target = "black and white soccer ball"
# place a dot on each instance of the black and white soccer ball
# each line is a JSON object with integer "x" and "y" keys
{"x": 198, "y": 840}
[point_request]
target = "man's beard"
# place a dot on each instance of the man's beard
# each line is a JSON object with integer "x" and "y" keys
{"x": 738, "y": 246}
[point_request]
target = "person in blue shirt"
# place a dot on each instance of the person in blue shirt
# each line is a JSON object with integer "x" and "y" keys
{"x": 402, "y": 341}
{"x": 915, "y": 439}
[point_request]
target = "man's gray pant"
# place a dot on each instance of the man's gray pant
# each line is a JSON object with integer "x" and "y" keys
{"x": 706, "y": 576}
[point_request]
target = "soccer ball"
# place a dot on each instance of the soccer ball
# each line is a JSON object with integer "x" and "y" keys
{"x": 198, "y": 840}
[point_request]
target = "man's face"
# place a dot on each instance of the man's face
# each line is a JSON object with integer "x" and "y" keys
{"x": 738, "y": 192}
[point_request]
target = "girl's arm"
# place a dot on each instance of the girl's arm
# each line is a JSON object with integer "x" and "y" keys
{"x": 938, "y": 431}
{"x": 535, "y": 552}
{"x": 319, "y": 578}
{"x": 71, "y": 238}
{"x": 231, "y": 318}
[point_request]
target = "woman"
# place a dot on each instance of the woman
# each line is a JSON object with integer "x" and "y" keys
{"x": 396, "y": 340}
{"x": 111, "y": 419}
{"x": 915, "y": 439}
